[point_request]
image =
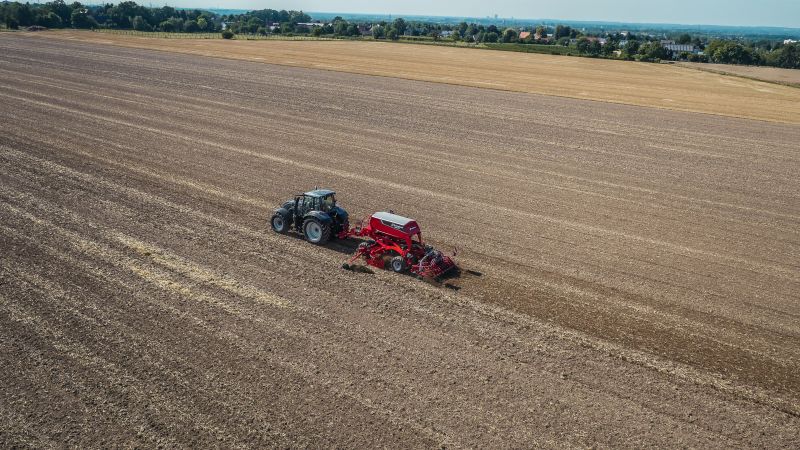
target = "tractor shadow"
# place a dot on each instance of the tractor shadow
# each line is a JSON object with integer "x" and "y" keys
{"x": 447, "y": 280}
{"x": 345, "y": 246}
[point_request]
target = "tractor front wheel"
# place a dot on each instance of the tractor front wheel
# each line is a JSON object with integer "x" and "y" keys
{"x": 398, "y": 264}
{"x": 279, "y": 224}
{"x": 316, "y": 232}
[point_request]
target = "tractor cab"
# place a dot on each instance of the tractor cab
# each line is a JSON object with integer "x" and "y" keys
{"x": 316, "y": 200}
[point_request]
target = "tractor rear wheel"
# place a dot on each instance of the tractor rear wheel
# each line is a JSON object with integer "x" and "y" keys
{"x": 279, "y": 224}
{"x": 398, "y": 264}
{"x": 316, "y": 232}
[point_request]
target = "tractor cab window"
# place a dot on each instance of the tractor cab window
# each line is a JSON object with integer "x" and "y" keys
{"x": 305, "y": 204}
{"x": 328, "y": 202}
{"x": 311, "y": 204}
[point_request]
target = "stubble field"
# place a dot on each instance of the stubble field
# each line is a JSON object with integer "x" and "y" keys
{"x": 652, "y": 85}
{"x": 640, "y": 265}
{"x": 789, "y": 77}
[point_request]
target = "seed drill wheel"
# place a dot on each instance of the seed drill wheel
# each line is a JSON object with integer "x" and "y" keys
{"x": 398, "y": 264}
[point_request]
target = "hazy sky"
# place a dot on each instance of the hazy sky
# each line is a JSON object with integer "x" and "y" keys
{"x": 716, "y": 12}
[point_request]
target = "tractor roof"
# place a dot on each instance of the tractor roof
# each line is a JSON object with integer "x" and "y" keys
{"x": 319, "y": 192}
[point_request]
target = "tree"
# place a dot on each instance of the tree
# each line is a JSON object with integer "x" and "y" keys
{"x": 562, "y": 31}
{"x": 317, "y": 31}
{"x": 435, "y": 34}
{"x": 392, "y": 34}
{"x": 490, "y": 37}
{"x": 378, "y": 32}
{"x": 698, "y": 58}
{"x": 684, "y": 39}
{"x": 296, "y": 17}
{"x": 167, "y": 26}
{"x": 653, "y": 51}
{"x": 609, "y": 49}
{"x": 339, "y": 27}
{"x": 227, "y": 34}
{"x": 61, "y": 9}
{"x": 139, "y": 24}
{"x": 202, "y": 23}
{"x": 728, "y": 52}
{"x": 632, "y": 47}
{"x": 80, "y": 18}
{"x": 122, "y": 14}
{"x": 510, "y": 35}
{"x": 48, "y": 20}
{"x": 595, "y": 48}
{"x": 252, "y": 24}
{"x": 400, "y": 25}
{"x": 22, "y": 14}
{"x": 583, "y": 45}
{"x": 787, "y": 56}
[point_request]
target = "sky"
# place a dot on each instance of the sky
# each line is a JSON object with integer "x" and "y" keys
{"x": 781, "y": 13}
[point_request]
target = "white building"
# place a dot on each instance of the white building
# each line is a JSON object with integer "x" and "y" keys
{"x": 679, "y": 48}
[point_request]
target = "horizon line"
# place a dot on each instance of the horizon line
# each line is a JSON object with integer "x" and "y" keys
{"x": 532, "y": 19}
{"x": 615, "y": 22}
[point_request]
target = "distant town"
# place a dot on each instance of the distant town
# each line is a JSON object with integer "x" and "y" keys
{"x": 776, "y": 47}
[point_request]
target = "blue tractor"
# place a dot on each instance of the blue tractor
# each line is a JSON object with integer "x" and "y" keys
{"x": 314, "y": 215}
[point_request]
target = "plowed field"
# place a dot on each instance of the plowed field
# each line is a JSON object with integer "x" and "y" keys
{"x": 640, "y": 283}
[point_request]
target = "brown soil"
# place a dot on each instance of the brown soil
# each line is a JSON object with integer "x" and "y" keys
{"x": 659, "y": 85}
{"x": 640, "y": 275}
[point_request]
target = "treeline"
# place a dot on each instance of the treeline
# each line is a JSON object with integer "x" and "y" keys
{"x": 128, "y": 15}
{"x": 125, "y": 16}
{"x": 131, "y": 16}
{"x": 266, "y": 21}
{"x": 731, "y": 52}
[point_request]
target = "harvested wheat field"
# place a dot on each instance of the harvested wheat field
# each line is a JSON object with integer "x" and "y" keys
{"x": 772, "y": 74}
{"x": 640, "y": 265}
{"x": 659, "y": 85}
